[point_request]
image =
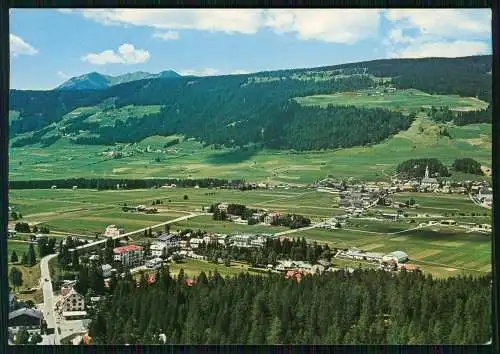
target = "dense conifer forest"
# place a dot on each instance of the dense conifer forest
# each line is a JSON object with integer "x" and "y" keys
{"x": 415, "y": 168}
{"x": 258, "y": 109}
{"x": 365, "y": 307}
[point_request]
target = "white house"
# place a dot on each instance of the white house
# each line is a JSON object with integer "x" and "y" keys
{"x": 156, "y": 249}
{"x": 106, "y": 270}
{"x": 241, "y": 240}
{"x": 397, "y": 256}
{"x": 485, "y": 194}
{"x": 195, "y": 242}
{"x": 223, "y": 207}
{"x": 269, "y": 218}
{"x": 131, "y": 255}
{"x": 154, "y": 263}
{"x": 168, "y": 241}
{"x": 113, "y": 230}
{"x": 72, "y": 301}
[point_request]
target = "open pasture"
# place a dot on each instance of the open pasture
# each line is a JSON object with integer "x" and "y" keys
{"x": 192, "y": 160}
{"x": 408, "y": 100}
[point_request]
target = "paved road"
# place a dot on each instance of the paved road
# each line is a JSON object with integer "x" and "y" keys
{"x": 103, "y": 241}
{"x": 48, "y": 296}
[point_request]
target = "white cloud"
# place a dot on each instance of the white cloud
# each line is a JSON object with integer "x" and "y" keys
{"x": 239, "y": 72}
{"x": 63, "y": 75}
{"x": 396, "y": 36}
{"x": 200, "y": 72}
{"x": 167, "y": 36}
{"x": 19, "y": 47}
{"x": 212, "y": 72}
{"x": 127, "y": 54}
{"x": 438, "y": 32}
{"x": 442, "y": 49}
{"x": 333, "y": 25}
{"x": 330, "y": 25}
{"x": 443, "y": 22}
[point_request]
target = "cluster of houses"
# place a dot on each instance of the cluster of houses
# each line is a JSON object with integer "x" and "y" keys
{"x": 432, "y": 184}
{"x": 396, "y": 260}
{"x": 132, "y": 256}
{"x": 267, "y": 217}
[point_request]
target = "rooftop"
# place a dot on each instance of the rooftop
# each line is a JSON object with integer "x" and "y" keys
{"x": 128, "y": 248}
{"x": 25, "y": 311}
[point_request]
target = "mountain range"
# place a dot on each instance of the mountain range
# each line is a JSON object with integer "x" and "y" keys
{"x": 97, "y": 81}
{"x": 328, "y": 107}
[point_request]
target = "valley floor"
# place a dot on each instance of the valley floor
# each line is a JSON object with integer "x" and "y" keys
{"x": 190, "y": 159}
{"x": 437, "y": 249}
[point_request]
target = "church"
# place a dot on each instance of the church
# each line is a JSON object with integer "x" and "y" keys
{"x": 429, "y": 181}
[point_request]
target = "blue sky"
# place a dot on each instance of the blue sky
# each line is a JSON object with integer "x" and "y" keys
{"x": 50, "y": 46}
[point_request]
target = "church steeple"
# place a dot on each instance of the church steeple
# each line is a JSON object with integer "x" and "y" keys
{"x": 426, "y": 172}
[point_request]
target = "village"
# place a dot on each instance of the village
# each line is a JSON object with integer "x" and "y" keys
{"x": 119, "y": 253}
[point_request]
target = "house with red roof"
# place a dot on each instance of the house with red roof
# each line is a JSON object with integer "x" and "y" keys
{"x": 130, "y": 255}
{"x": 294, "y": 274}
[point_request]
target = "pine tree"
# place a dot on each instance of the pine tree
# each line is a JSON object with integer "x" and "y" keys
{"x": 16, "y": 277}
{"x": 274, "y": 334}
{"x": 31, "y": 258}
{"x": 13, "y": 257}
{"x": 22, "y": 336}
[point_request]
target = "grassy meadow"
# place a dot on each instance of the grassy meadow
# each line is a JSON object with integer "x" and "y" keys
{"x": 405, "y": 100}
{"x": 191, "y": 160}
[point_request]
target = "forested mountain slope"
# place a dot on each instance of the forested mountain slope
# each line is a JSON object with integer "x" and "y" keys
{"x": 258, "y": 109}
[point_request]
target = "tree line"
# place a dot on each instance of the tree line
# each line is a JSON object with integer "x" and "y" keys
{"x": 444, "y": 115}
{"x": 365, "y": 307}
{"x": 109, "y": 183}
{"x": 272, "y": 251}
{"x": 415, "y": 168}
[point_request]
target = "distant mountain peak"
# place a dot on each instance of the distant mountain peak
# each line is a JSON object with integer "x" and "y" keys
{"x": 98, "y": 81}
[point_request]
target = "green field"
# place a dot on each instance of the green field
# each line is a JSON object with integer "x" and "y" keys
{"x": 191, "y": 160}
{"x": 224, "y": 227}
{"x": 89, "y": 211}
{"x": 19, "y": 247}
{"x": 31, "y": 275}
{"x": 405, "y": 100}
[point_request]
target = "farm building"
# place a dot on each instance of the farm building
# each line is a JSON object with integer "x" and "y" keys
{"x": 397, "y": 256}
{"x": 448, "y": 222}
{"x": 12, "y": 233}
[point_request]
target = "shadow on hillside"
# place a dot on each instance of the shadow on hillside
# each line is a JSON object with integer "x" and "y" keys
{"x": 229, "y": 157}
